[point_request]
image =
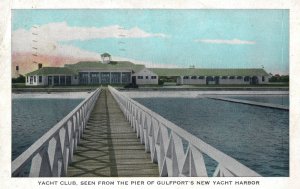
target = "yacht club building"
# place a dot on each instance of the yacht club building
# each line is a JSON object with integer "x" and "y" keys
{"x": 204, "y": 76}
{"x": 124, "y": 72}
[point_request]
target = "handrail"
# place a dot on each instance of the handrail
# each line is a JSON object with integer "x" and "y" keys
{"x": 164, "y": 140}
{"x": 51, "y": 153}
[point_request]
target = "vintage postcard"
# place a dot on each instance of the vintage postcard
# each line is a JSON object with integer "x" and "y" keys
{"x": 134, "y": 95}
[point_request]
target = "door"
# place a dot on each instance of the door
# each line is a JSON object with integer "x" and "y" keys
{"x": 134, "y": 80}
{"x": 68, "y": 80}
{"x": 208, "y": 79}
{"x": 49, "y": 80}
{"x": 254, "y": 80}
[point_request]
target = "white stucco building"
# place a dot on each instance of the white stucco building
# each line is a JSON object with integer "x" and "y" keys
{"x": 124, "y": 72}
{"x": 145, "y": 77}
{"x": 204, "y": 76}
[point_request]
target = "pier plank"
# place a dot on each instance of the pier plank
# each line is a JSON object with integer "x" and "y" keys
{"x": 109, "y": 147}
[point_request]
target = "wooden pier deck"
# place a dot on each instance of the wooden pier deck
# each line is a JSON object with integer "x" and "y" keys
{"x": 109, "y": 147}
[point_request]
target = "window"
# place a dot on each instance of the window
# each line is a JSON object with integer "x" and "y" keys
{"x": 126, "y": 77}
{"x": 56, "y": 80}
{"x": 146, "y": 77}
{"x": 40, "y": 79}
{"x": 105, "y": 77}
{"x": 263, "y": 78}
{"x": 209, "y": 78}
{"x": 224, "y": 77}
{"x": 185, "y": 77}
{"x": 247, "y": 78}
{"x": 62, "y": 80}
{"x": 83, "y": 78}
{"x": 27, "y": 79}
{"x": 34, "y": 79}
{"x": 140, "y": 77}
{"x": 239, "y": 77}
{"x": 194, "y": 77}
{"x": 116, "y": 77}
{"x": 68, "y": 80}
{"x": 153, "y": 77}
{"x": 94, "y": 77}
{"x": 232, "y": 77}
{"x": 201, "y": 77}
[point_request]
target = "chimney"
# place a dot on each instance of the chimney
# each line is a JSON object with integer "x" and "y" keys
{"x": 40, "y": 66}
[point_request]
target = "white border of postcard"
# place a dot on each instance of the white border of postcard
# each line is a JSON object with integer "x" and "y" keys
{"x": 293, "y": 181}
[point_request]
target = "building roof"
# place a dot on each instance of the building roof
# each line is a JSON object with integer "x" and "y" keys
{"x": 52, "y": 71}
{"x": 113, "y": 65}
{"x": 72, "y": 69}
{"x": 208, "y": 72}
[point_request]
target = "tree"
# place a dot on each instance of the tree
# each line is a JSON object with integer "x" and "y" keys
{"x": 20, "y": 79}
{"x": 279, "y": 78}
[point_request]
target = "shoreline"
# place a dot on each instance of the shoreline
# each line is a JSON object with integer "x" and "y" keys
{"x": 160, "y": 89}
{"x": 60, "y": 95}
{"x": 154, "y": 92}
{"x": 198, "y": 94}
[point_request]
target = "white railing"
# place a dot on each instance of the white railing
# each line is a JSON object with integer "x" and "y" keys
{"x": 165, "y": 141}
{"x": 51, "y": 154}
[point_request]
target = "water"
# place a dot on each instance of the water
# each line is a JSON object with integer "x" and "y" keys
{"x": 31, "y": 118}
{"x": 258, "y": 137}
{"x": 276, "y": 99}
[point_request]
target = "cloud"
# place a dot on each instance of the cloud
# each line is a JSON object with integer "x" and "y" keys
{"x": 61, "y": 31}
{"x": 224, "y": 41}
{"x": 24, "y": 43}
{"x": 46, "y": 39}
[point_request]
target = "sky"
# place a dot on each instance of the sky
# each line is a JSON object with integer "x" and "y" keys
{"x": 158, "y": 38}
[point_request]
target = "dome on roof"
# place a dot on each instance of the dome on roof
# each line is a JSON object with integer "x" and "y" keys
{"x": 105, "y": 55}
{"x": 106, "y": 58}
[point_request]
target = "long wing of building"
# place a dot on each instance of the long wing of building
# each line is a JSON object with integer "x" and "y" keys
{"x": 125, "y": 72}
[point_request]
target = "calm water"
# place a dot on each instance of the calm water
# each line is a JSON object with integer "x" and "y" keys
{"x": 276, "y": 99}
{"x": 31, "y": 118}
{"x": 257, "y": 137}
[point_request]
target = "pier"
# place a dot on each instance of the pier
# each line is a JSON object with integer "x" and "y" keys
{"x": 109, "y": 146}
{"x": 110, "y": 134}
{"x": 260, "y": 104}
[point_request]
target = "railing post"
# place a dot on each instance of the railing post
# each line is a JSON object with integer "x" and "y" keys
{"x": 146, "y": 133}
{"x": 71, "y": 140}
{"x": 40, "y": 165}
{"x": 172, "y": 159}
{"x": 141, "y": 127}
{"x": 63, "y": 135}
{"x": 153, "y": 140}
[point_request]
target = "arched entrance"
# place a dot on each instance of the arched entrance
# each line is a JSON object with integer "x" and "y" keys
{"x": 208, "y": 79}
{"x": 254, "y": 80}
{"x": 217, "y": 80}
